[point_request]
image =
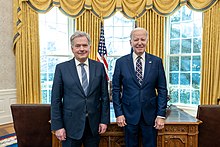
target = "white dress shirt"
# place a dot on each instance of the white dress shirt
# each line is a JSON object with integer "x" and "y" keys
{"x": 78, "y": 67}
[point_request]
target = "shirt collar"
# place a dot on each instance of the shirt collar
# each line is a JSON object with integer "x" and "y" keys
{"x": 135, "y": 56}
{"x": 86, "y": 62}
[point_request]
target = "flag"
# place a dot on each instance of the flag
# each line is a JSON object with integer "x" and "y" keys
{"x": 102, "y": 51}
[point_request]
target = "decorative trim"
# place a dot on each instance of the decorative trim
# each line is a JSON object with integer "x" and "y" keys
{"x": 41, "y": 11}
{"x": 202, "y": 9}
{"x": 7, "y": 92}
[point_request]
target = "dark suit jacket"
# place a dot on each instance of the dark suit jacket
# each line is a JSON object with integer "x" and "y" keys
{"x": 69, "y": 102}
{"x": 149, "y": 98}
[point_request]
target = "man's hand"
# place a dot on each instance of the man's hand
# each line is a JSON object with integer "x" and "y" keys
{"x": 159, "y": 123}
{"x": 102, "y": 128}
{"x": 121, "y": 121}
{"x": 61, "y": 134}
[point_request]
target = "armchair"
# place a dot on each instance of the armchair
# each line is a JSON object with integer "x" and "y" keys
{"x": 209, "y": 130}
{"x": 31, "y": 124}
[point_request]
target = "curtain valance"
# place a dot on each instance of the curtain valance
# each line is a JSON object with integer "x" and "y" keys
{"x": 130, "y": 8}
{"x": 105, "y": 8}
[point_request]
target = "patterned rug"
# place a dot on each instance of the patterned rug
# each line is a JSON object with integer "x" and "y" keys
{"x": 9, "y": 140}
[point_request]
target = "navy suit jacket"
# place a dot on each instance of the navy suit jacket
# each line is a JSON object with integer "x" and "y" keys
{"x": 69, "y": 102}
{"x": 130, "y": 99}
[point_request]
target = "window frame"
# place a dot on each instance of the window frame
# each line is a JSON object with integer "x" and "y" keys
{"x": 190, "y": 108}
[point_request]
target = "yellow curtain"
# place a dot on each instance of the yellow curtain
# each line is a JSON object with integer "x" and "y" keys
{"x": 28, "y": 57}
{"x": 154, "y": 24}
{"x": 91, "y": 24}
{"x": 210, "y": 75}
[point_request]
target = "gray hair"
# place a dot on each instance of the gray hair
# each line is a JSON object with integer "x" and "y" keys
{"x": 136, "y": 29}
{"x": 79, "y": 34}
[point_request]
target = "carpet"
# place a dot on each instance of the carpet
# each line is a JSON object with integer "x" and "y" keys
{"x": 9, "y": 140}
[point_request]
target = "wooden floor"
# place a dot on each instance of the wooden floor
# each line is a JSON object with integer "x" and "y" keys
{"x": 6, "y": 129}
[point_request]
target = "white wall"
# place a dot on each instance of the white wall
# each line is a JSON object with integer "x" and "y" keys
{"x": 7, "y": 61}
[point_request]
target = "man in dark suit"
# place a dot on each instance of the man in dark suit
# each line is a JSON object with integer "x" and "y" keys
{"x": 139, "y": 92}
{"x": 80, "y": 101}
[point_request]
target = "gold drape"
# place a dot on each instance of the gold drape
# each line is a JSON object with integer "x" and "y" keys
{"x": 210, "y": 75}
{"x": 91, "y": 24}
{"x": 131, "y": 8}
{"x": 27, "y": 58}
{"x": 154, "y": 24}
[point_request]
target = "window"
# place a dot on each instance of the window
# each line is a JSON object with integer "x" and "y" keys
{"x": 54, "y": 46}
{"x": 117, "y": 35}
{"x": 183, "y": 56}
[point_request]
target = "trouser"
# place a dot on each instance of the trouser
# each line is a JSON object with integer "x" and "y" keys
{"x": 88, "y": 140}
{"x": 147, "y": 133}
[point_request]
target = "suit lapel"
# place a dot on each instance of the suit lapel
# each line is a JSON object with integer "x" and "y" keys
{"x": 92, "y": 69}
{"x": 147, "y": 68}
{"x": 74, "y": 73}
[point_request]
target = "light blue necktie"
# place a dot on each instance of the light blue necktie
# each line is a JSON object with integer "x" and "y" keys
{"x": 139, "y": 70}
{"x": 85, "y": 82}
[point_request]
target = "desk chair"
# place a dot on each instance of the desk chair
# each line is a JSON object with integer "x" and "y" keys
{"x": 209, "y": 129}
{"x": 31, "y": 124}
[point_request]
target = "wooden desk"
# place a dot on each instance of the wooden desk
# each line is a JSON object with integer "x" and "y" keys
{"x": 181, "y": 130}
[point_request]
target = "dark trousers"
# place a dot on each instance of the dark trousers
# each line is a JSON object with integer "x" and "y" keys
{"x": 147, "y": 132}
{"x": 88, "y": 140}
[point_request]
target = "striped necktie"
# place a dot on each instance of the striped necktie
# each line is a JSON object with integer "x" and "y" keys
{"x": 139, "y": 70}
{"x": 85, "y": 82}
